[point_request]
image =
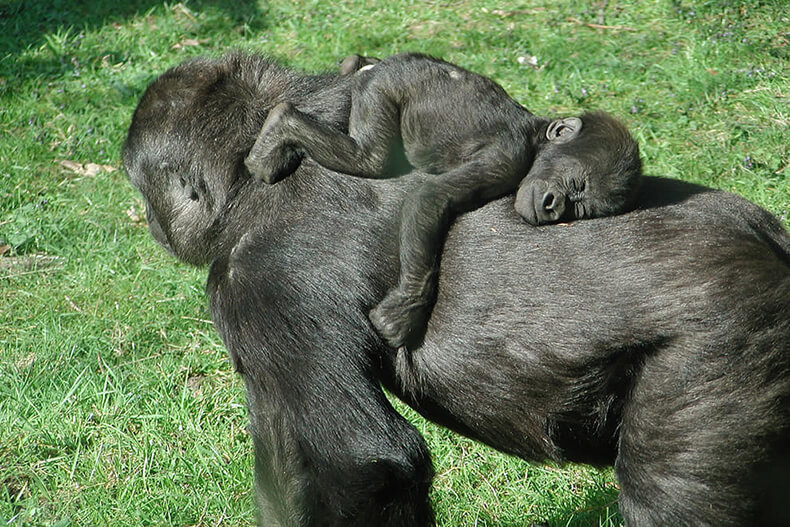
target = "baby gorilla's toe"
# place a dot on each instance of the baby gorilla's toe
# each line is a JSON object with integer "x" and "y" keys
{"x": 271, "y": 158}
{"x": 399, "y": 319}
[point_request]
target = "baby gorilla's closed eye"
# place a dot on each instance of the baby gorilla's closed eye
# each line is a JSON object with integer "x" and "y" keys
{"x": 577, "y": 191}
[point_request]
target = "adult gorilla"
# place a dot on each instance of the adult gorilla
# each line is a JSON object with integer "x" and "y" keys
{"x": 658, "y": 341}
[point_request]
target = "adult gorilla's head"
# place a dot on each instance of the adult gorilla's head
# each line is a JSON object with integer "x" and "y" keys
{"x": 184, "y": 152}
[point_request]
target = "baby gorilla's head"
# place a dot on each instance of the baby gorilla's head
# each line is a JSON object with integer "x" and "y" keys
{"x": 586, "y": 167}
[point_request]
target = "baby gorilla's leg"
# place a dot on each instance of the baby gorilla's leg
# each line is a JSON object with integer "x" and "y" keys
{"x": 365, "y": 151}
{"x": 401, "y": 317}
{"x": 271, "y": 158}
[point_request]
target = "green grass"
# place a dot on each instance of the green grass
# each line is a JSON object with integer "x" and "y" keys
{"x": 118, "y": 405}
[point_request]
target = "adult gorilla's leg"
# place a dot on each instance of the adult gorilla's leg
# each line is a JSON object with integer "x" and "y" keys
{"x": 692, "y": 437}
{"x": 324, "y": 459}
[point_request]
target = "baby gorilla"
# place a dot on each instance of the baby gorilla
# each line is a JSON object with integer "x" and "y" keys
{"x": 476, "y": 143}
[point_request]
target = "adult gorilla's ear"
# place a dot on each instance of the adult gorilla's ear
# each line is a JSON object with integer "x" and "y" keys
{"x": 563, "y": 130}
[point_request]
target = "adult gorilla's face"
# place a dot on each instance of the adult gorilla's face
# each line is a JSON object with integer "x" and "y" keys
{"x": 180, "y": 214}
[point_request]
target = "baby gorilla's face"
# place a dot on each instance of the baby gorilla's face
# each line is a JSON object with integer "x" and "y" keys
{"x": 555, "y": 189}
{"x": 590, "y": 171}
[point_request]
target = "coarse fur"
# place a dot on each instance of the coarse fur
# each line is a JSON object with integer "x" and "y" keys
{"x": 657, "y": 341}
{"x": 415, "y": 112}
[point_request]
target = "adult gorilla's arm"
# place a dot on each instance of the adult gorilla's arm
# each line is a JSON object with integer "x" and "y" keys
{"x": 329, "y": 448}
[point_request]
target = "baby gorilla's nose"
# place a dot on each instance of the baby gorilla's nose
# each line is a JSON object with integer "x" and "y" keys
{"x": 538, "y": 204}
{"x": 525, "y": 201}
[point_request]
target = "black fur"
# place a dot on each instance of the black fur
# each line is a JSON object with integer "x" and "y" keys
{"x": 411, "y": 111}
{"x": 657, "y": 340}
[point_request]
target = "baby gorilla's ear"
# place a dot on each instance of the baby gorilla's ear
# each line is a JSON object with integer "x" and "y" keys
{"x": 563, "y": 130}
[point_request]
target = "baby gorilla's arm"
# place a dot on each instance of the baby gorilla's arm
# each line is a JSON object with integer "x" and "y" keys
{"x": 425, "y": 218}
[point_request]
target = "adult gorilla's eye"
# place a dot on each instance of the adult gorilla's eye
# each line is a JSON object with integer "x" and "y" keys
{"x": 188, "y": 188}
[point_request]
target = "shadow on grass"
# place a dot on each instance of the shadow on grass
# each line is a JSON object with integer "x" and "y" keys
{"x": 596, "y": 508}
{"x": 25, "y": 24}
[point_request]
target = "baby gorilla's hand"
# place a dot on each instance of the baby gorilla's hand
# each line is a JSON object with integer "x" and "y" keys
{"x": 271, "y": 159}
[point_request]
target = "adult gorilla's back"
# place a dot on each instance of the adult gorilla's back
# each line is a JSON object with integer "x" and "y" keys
{"x": 657, "y": 340}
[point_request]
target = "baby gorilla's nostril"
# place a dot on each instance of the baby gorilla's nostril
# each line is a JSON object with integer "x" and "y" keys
{"x": 550, "y": 207}
{"x": 548, "y": 201}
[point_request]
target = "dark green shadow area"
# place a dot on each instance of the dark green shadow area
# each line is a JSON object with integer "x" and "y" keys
{"x": 29, "y": 25}
{"x": 24, "y": 23}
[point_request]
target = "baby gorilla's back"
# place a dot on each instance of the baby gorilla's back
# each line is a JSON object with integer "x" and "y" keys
{"x": 447, "y": 114}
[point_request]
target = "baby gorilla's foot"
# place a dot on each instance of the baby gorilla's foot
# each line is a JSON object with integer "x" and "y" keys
{"x": 271, "y": 158}
{"x": 400, "y": 319}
